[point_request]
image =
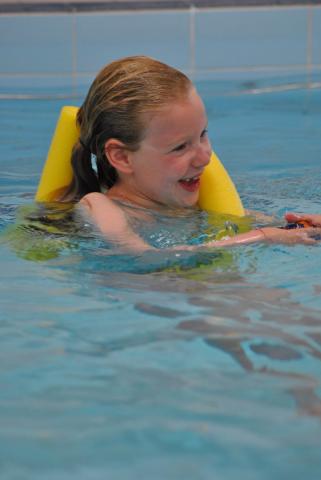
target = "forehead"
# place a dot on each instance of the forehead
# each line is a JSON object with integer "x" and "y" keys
{"x": 180, "y": 118}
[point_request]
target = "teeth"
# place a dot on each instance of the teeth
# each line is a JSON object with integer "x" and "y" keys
{"x": 191, "y": 179}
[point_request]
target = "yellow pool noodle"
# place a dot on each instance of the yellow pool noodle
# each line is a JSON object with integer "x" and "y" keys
{"x": 57, "y": 171}
{"x": 217, "y": 191}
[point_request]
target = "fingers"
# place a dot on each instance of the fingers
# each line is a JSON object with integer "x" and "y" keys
{"x": 302, "y": 236}
{"x": 311, "y": 235}
{"x": 313, "y": 220}
{"x": 315, "y": 234}
{"x": 307, "y": 240}
{"x": 292, "y": 217}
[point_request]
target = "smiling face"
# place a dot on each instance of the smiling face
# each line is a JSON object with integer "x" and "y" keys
{"x": 175, "y": 149}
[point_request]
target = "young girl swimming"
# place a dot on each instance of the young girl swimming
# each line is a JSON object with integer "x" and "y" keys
{"x": 146, "y": 125}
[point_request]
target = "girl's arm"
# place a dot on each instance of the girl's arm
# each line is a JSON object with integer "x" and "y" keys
{"x": 112, "y": 222}
{"x": 308, "y": 236}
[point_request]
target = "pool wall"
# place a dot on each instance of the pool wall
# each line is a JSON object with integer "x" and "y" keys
{"x": 59, "y": 53}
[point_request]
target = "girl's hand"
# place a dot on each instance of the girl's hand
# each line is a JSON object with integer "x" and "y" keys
{"x": 307, "y": 236}
{"x": 313, "y": 220}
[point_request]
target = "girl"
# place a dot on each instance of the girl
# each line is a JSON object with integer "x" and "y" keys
{"x": 146, "y": 127}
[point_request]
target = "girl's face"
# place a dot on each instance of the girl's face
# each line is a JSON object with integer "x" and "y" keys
{"x": 172, "y": 155}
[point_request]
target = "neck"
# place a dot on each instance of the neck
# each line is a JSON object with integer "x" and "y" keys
{"x": 118, "y": 192}
{"x": 136, "y": 199}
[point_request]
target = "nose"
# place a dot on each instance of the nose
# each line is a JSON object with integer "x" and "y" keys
{"x": 202, "y": 154}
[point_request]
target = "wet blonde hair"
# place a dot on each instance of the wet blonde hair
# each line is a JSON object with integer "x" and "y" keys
{"x": 116, "y": 105}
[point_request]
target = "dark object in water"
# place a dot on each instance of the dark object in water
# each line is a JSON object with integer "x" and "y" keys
{"x": 291, "y": 226}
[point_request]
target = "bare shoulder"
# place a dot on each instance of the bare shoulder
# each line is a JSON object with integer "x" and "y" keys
{"x": 99, "y": 205}
{"x": 111, "y": 220}
{"x": 96, "y": 200}
{"x": 107, "y": 215}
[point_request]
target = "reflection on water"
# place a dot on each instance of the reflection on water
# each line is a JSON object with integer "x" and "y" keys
{"x": 262, "y": 329}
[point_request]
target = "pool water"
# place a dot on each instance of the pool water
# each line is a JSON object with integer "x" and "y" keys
{"x": 199, "y": 366}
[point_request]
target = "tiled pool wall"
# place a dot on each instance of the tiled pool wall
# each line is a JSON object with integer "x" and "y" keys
{"x": 59, "y": 53}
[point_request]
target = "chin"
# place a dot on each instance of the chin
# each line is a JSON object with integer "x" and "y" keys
{"x": 189, "y": 204}
{"x": 193, "y": 201}
{"x": 184, "y": 201}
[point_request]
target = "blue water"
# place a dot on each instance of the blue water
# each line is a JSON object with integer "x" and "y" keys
{"x": 116, "y": 367}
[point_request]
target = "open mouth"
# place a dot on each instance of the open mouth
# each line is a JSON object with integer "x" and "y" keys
{"x": 190, "y": 184}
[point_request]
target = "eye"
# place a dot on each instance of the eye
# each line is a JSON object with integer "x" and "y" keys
{"x": 204, "y": 133}
{"x": 179, "y": 148}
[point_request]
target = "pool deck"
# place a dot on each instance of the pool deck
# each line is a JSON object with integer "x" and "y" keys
{"x": 34, "y": 6}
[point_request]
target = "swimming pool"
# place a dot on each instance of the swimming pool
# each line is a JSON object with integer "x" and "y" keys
{"x": 206, "y": 371}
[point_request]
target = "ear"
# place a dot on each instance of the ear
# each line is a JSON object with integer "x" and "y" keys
{"x": 118, "y": 155}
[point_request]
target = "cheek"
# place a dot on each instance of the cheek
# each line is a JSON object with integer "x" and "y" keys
{"x": 177, "y": 166}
